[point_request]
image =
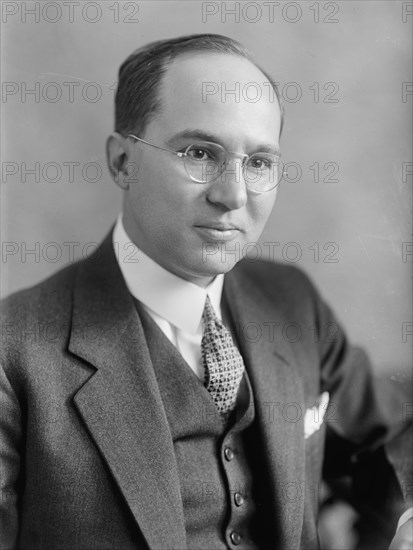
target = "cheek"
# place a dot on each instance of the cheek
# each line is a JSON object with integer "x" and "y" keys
{"x": 162, "y": 199}
{"x": 152, "y": 192}
{"x": 260, "y": 210}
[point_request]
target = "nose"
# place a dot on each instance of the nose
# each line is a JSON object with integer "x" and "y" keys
{"x": 229, "y": 189}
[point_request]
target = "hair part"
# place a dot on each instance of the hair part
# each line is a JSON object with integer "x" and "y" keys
{"x": 137, "y": 97}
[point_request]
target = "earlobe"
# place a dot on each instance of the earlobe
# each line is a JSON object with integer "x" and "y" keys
{"x": 117, "y": 155}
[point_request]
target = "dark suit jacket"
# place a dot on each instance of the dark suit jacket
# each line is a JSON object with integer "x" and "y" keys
{"x": 87, "y": 458}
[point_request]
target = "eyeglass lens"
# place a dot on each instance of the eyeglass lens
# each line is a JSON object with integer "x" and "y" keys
{"x": 204, "y": 162}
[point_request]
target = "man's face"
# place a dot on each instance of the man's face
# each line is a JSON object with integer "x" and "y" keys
{"x": 176, "y": 221}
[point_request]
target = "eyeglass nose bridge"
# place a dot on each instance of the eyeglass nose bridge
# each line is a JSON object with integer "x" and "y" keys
{"x": 231, "y": 154}
{"x": 225, "y": 161}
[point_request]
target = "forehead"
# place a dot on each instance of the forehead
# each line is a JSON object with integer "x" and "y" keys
{"x": 221, "y": 94}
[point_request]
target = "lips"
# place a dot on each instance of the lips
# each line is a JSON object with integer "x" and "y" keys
{"x": 217, "y": 231}
{"x": 219, "y": 226}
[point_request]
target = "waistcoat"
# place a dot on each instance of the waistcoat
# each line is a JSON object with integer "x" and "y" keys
{"x": 222, "y": 502}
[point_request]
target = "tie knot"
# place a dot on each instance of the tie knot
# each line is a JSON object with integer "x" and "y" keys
{"x": 210, "y": 319}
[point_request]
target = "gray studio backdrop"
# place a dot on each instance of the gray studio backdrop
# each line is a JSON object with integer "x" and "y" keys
{"x": 344, "y": 70}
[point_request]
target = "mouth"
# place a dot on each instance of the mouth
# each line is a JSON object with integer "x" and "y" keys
{"x": 218, "y": 231}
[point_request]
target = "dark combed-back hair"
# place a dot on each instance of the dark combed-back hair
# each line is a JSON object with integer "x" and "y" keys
{"x": 137, "y": 97}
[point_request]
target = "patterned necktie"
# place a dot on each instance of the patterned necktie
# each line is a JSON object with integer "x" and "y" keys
{"x": 223, "y": 363}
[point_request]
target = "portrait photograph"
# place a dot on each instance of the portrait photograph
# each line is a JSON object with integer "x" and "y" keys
{"x": 206, "y": 266}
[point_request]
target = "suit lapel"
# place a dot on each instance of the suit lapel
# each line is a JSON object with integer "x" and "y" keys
{"x": 279, "y": 401}
{"x": 120, "y": 403}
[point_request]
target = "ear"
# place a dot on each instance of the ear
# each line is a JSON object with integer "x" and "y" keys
{"x": 118, "y": 159}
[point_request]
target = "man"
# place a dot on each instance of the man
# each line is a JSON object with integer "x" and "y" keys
{"x": 152, "y": 419}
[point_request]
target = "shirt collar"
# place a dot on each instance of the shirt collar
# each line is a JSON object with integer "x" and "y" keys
{"x": 178, "y": 301}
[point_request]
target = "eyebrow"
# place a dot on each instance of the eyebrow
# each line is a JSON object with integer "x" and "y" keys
{"x": 207, "y": 136}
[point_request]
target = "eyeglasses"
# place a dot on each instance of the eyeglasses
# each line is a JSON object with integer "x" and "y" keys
{"x": 205, "y": 161}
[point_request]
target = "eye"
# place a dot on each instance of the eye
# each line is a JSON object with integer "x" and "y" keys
{"x": 259, "y": 163}
{"x": 200, "y": 153}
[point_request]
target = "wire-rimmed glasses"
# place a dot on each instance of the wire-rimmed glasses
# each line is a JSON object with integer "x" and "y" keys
{"x": 205, "y": 161}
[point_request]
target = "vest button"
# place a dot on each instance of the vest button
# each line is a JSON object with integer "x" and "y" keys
{"x": 235, "y": 538}
{"x": 239, "y": 499}
{"x": 229, "y": 453}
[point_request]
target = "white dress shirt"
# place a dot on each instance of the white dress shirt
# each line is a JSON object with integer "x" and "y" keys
{"x": 176, "y": 305}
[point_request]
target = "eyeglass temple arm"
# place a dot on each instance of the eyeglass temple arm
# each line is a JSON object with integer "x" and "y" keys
{"x": 179, "y": 154}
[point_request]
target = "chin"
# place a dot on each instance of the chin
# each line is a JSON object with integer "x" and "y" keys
{"x": 215, "y": 267}
{"x": 217, "y": 258}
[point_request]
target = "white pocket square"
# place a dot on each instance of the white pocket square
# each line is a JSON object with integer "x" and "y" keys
{"x": 314, "y": 416}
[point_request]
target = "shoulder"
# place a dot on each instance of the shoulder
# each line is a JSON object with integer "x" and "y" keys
{"x": 52, "y": 298}
{"x": 41, "y": 301}
{"x": 277, "y": 279}
{"x": 35, "y": 324}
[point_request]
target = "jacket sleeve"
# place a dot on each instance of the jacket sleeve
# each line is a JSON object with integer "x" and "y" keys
{"x": 10, "y": 444}
{"x": 369, "y": 416}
